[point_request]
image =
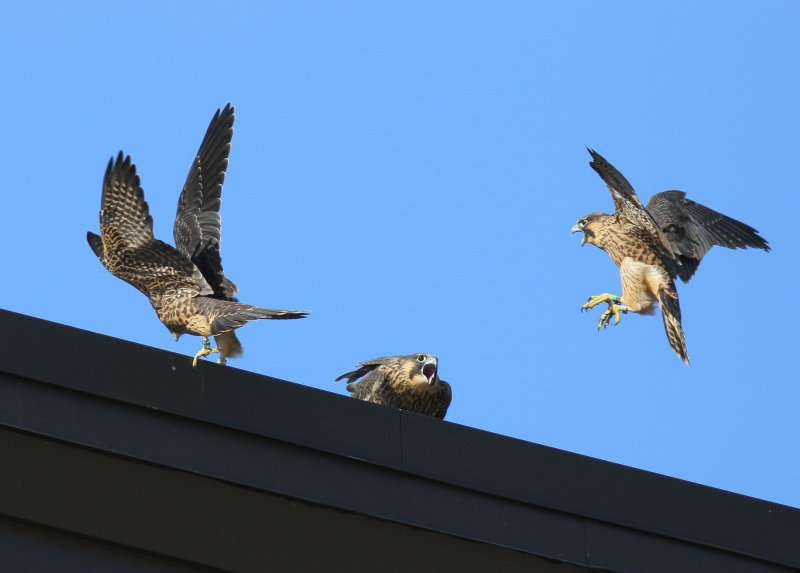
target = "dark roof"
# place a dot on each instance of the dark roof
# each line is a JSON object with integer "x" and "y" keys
{"x": 133, "y": 452}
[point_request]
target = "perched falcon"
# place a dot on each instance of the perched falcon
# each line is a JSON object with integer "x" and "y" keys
{"x": 655, "y": 245}
{"x": 406, "y": 382}
{"x": 185, "y": 284}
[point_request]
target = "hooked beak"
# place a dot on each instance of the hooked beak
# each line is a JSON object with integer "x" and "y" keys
{"x": 575, "y": 229}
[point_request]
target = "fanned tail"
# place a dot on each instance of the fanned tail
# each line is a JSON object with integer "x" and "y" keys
{"x": 671, "y": 313}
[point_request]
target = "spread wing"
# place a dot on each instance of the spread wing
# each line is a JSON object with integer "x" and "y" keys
{"x": 126, "y": 245}
{"x": 692, "y": 229}
{"x": 627, "y": 204}
{"x": 197, "y": 221}
{"x": 366, "y": 388}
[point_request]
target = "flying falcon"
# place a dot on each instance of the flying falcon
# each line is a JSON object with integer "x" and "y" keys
{"x": 185, "y": 284}
{"x": 406, "y": 382}
{"x": 654, "y": 245}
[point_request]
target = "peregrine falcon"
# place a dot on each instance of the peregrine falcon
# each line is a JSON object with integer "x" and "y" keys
{"x": 654, "y": 245}
{"x": 185, "y": 284}
{"x": 406, "y": 382}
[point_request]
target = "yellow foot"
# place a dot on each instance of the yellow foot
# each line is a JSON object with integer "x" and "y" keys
{"x": 613, "y": 310}
{"x": 205, "y": 351}
{"x": 595, "y": 300}
{"x": 615, "y": 307}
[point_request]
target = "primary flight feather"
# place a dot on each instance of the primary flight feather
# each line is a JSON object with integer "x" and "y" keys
{"x": 185, "y": 284}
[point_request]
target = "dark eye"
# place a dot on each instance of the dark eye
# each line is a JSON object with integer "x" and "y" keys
{"x": 583, "y": 223}
{"x": 421, "y": 358}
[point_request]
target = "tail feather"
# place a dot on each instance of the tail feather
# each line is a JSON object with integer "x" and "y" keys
{"x": 671, "y": 313}
{"x": 226, "y": 315}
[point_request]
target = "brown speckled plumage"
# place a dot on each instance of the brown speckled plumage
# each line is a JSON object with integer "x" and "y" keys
{"x": 406, "y": 382}
{"x": 185, "y": 284}
{"x": 653, "y": 246}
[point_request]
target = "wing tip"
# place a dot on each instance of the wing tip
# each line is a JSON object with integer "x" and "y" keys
{"x": 119, "y": 163}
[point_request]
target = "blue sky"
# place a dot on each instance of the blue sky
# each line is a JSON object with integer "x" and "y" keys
{"x": 409, "y": 173}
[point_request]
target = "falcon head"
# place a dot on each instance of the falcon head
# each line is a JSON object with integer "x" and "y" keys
{"x": 586, "y": 226}
{"x": 424, "y": 368}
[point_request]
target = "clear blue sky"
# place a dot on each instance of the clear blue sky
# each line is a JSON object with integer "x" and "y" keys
{"x": 409, "y": 173}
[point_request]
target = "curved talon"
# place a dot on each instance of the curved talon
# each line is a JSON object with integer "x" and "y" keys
{"x": 204, "y": 351}
{"x": 615, "y": 307}
{"x": 614, "y": 310}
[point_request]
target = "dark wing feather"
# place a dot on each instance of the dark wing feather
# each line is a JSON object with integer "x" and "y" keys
{"x": 129, "y": 250}
{"x": 443, "y": 400}
{"x": 197, "y": 221}
{"x": 627, "y": 204}
{"x": 692, "y": 229}
{"x": 122, "y": 204}
{"x": 355, "y": 375}
{"x": 374, "y": 377}
{"x": 96, "y": 243}
{"x": 366, "y": 388}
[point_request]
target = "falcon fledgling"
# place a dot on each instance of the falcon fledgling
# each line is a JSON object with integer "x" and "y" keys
{"x": 406, "y": 382}
{"x": 186, "y": 285}
{"x": 655, "y": 245}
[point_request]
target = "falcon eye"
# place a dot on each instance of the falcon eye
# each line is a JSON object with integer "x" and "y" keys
{"x": 583, "y": 223}
{"x": 421, "y": 358}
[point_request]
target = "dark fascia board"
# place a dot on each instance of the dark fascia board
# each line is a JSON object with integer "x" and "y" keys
{"x": 109, "y": 513}
{"x": 509, "y": 470}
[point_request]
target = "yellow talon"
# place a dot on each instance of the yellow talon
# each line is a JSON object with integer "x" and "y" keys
{"x": 613, "y": 310}
{"x": 615, "y": 307}
{"x": 204, "y": 351}
{"x": 595, "y": 300}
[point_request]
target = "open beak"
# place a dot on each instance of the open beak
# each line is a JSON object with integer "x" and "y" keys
{"x": 575, "y": 229}
{"x": 429, "y": 370}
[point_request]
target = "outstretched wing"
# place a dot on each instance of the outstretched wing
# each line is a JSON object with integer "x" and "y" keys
{"x": 627, "y": 204}
{"x": 197, "y": 221}
{"x": 692, "y": 229}
{"x": 126, "y": 245}
{"x": 122, "y": 204}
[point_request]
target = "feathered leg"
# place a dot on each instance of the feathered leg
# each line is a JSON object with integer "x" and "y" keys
{"x": 228, "y": 345}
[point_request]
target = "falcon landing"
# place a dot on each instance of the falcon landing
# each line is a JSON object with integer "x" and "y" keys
{"x": 655, "y": 245}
